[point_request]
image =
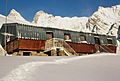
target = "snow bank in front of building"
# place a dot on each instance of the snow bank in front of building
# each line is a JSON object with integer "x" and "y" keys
{"x": 118, "y": 47}
{"x": 2, "y": 51}
{"x": 101, "y": 67}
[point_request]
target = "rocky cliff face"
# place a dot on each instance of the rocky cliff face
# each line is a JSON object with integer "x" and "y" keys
{"x": 106, "y": 20}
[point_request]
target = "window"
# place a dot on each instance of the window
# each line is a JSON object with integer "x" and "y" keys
{"x": 22, "y": 35}
{"x": 49, "y": 35}
{"x": 109, "y": 40}
{"x": 67, "y": 37}
{"x": 37, "y": 35}
{"x": 82, "y": 38}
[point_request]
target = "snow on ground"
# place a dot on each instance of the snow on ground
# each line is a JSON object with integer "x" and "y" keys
{"x": 118, "y": 47}
{"x": 2, "y": 51}
{"x": 100, "y": 67}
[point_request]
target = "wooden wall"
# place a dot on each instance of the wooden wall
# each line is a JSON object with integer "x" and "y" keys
{"x": 83, "y": 47}
{"x": 37, "y": 45}
{"x": 26, "y": 44}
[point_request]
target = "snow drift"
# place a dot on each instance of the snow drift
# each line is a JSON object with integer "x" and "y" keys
{"x": 101, "y": 67}
{"x": 2, "y": 51}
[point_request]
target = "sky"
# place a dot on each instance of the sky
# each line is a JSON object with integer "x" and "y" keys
{"x": 69, "y": 8}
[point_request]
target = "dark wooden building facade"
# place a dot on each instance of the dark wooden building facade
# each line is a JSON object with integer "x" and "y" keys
{"x": 32, "y": 39}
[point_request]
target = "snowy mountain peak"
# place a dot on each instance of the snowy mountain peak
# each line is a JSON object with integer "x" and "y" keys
{"x": 39, "y": 16}
{"x": 40, "y": 13}
{"x": 15, "y": 15}
{"x": 106, "y": 20}
{"x": 70, "y": 23}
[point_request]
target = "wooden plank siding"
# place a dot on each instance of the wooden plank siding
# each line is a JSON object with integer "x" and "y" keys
{"x": 38, "y": 45}
{"x": 32, "y": 45}
{"x": 83, "y": 47}
{"x": 12, "y": 46}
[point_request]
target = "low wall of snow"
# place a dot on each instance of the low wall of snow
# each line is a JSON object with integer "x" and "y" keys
{"x": 118, "y": 47}
{"x": 2, "y": 51}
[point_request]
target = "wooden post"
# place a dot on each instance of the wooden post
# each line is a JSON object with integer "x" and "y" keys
{"x": 53, "y": 52}
{"x": 61, "y": 53}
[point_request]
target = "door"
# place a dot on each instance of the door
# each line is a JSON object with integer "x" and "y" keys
{"x": 97, "y": 40}
{"x": 49, "y": 35}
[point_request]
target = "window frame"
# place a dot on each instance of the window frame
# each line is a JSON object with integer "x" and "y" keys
{"x": 69, "y": 35}
{"x": 109, "y": 41}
